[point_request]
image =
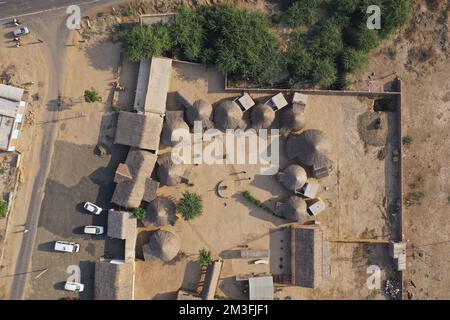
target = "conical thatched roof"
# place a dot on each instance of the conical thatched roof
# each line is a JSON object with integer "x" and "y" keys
{"x": 160, "y": 212}
{"x": 163, "y": 245}
{"x": 200, "y": 111}
{"x": 294, "y": 209}
{"x": 311, "y": 148}
{"x": 169, "y": 174}
{"x": 293, "y": 118}
{"x": 262, "y": 116}
{"x": 373, "y": 128}
{"x": 228, "y": 115}
{"x": 293, "y": 177}
{"x": 173, "y": 120}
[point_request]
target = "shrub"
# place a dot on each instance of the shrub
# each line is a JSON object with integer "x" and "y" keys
{"x": 406, "y": 140}
{"x": 3, "y": 208}
{"x": 92, "y": 96}
{"x": 364, "y": 39}
{"x": 140, "y": 213}
{"x": 142, "y": 42}
{"x": 298, "y": 59}
{"x": 302, "y": 12}
{"x": 205, "y": 258}
{"x": 328, "y": 42}
{"x": 345, "y": 7}
{"x": 353, "y": 60}
{"x": 247, "y": 195}
{"x": 190, "y": 205}
{"x": 188, "y": 32}
{"x": 324, "y": 72}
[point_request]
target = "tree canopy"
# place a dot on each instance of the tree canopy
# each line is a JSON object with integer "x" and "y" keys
{"x": 190, "y": 205}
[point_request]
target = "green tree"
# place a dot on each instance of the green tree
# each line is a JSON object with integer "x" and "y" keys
{"x": 92, "y": 96}
{"x": 3, "y": 208}
{"x": 190, "y": 205}
{"x": 142, "y": 42}
{"x": 327, "y": 42}
{"x": 139, "y": 213}
{"x": 205, "y": 258}
{"x": 324, "y": 72}
{"x": 298, "y": 58}
{"x": 303, "y": 12}
{"x": 345, "y": 7}
{"x": 365, "y": 39}
{"x": 353, "y": 60}
{"x": 396, "y": 13}
{"x": 188, "y": 32}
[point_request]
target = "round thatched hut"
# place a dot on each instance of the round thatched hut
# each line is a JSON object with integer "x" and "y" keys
{"x": 262, "y": 116}
{"x": 160, "y": 212}
{"x": 294, "y": 209}
{"x": 293, "y": 177}
{"x": 311, "y": 148}
{"x": 169, "y": 173}
{"x": 200, "y": 111}
{"x": 163, "y": 245}
{"x": 293, "y": 118}
{"x": 228, "y": 115}
{"x": 172, "y": 121}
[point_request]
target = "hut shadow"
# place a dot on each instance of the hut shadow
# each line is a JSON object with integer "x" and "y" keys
{"x": 87, "y": 278}
{"x": 165, "y": 296}
{"x": 99, "y": 50}
{"x": 114, "y": 249}
{"x": 192, "y": 276}
{"x": 230, "y": 254}
{"x": 128, "y": 79}
{"x": 260, "y": 213}
{"x": 143, "y": 238}
{"x": 233, "y": 289}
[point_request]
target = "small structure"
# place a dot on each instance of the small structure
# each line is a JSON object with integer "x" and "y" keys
{"x": 228, "y": 115}
{"x": 163, "y": 245}
{"x": 202, "y": 111}
{"x": 254, "y": 253}
{"x": 261, "y": 288}
{"x": 294, "y": 209}
{"x": 12, "y": 110}
{"x": 172, "y": 121}
{"x": 160, "y": 212}
{"x": 169, "y": 173}
{"x": 114, "y": 280}
{"x": 293, "y": 118}
{"x": 139, "y": 130}
{"x": 311, "y": 148}
{"x": 316, "y": 206}
{"x": 211, "y": 280}
{"x": 293, "y": 177}
{"x": 299, "y": 98}
{"x": 309, "y": 260}
{"x": 262, "y": 116}
{"x": 245, "y": 102}
{"x": 277, "y": 102}
{"x": 309, "y": 190}
{"x": 397, "y": 250}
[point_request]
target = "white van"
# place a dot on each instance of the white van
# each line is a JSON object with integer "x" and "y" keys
{"x": 93, "y": 230}
{"x": 74, "y": 286}
{"x": 65, "y": 246}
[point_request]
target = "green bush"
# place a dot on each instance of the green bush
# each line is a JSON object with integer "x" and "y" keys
{"x": 303, "y": 12}
{"x": 324, "y": 72}
{"x": 298, "y": 59}
{"x": 92, "y": 96}
{"x": 3, "y": 208}
{"x": 188, "y": 32}
{"x": 345, "y": 7}
{"x": 205, "y": 258}
{"x": 353, "y": 60}
{"x": 328, "y": 40}
{"x": 139, "y": 213}
{"x": 395, "y": 14}
{"x": 142, "y": 42}
{"x": 407, "y": 140}
{"x": 190, "y": 205}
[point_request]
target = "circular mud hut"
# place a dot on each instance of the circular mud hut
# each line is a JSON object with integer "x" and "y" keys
{"x": 163, "y": 245}
{"x": 200, "y": 111}
{"x": 173, "y": 120}
{"x": 169, "y": 173}
{"x": 228, "y": 115}
{"x": 373, "y": 128}
{"x": 293, "y": 118}
{"x": 294, "y": 209}
{"x": 293, "y": 177}
{"x": 311, "y": 148}
{"x": 161, "y": 211}
{"x": 262, "y": 116}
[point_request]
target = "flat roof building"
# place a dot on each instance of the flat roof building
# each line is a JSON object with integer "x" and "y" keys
{"x": 12, "y": 110}
{"x": 261, "y": 288}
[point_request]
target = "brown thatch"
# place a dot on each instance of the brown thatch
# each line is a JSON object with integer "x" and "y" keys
{"x": 373, "y": 128}
{"x": 228, "y": 115}
{"x": 293, "y": 177}
{"x": 200, "y": 111}
{"x": 160, "y": 212}
{"x": 311, "y": 148}
{"x": 293, "y": 118}
{"x": 121, "y": 225}
{"x": 129, "y": 193}
{"x": 139, "y": 130}
{"x": 163, "y": 245}
{"x": 169, "y": 174}
{"x": 262, "y": 116}
{"x": 306, "y": 256}
{"x": 151, "y": 187}
{"x": 294, "y": 209}
{"x": 173, "y": 121}
{"x": 114, "y": 281}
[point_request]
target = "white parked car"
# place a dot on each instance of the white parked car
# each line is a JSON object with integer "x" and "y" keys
{"x": 22, "y": 31}
{"x": 65, "y": 246}
{"x": 93, "y": 230}
{"x": 74, "y": 286}
{"x": 92, "y": 208}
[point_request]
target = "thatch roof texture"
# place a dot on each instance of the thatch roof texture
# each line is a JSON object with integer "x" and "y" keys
{"x": 163, "y": 245}
{"x": 294, "y": 209}
{"x": 293, "y": 177}
{"x": 114, "y": 281}
{"x": 169, "y": 174}
{"x": 200, "y": 111}
{"x": 139, "y": 130}
{"x": 228, "y": 115}
{"x": 121, "y": 225}
{"x": 311, "y": 148}
{"x": 160, "y": 212}
{"x": 262, "y": 116}
{"x": 293, "y": 118}
{"x": 174, "y": 120}
{"x": 373, "y": 128}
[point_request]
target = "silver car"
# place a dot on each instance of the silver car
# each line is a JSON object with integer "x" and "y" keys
{"x": 92, "y": 208}
{"x": 22, "y": 31}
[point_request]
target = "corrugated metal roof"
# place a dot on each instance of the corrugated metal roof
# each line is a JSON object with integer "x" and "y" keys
{"x": 11, "y": 93}
{"x": 261, "y": 288}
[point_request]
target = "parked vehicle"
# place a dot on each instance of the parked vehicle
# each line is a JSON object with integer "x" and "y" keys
{"x": 65, "y": 246}
{"x": 22, "y": 31}
{"x": 93, "y": 230}
{"x": 92, "y": 208}
{"x": 74, "y": 286}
